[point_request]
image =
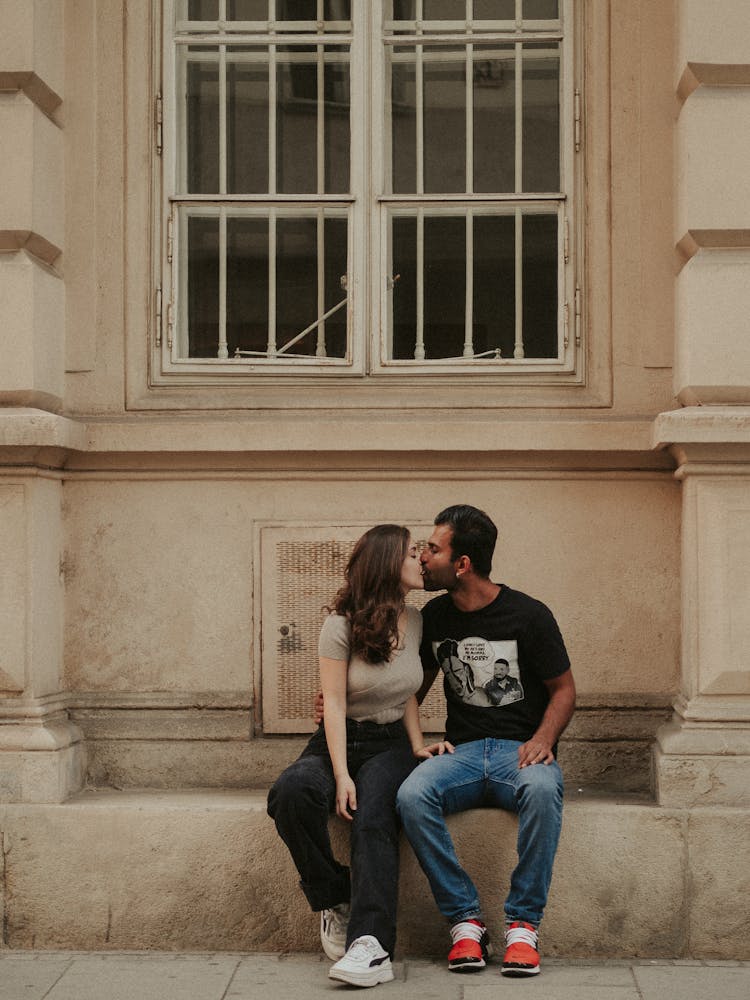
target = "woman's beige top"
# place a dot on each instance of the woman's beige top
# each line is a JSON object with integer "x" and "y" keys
{"x": 376, "y": 692}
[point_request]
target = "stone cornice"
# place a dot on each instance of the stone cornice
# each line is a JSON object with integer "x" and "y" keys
{"x": 33, "y": 87}
{"x": 697, "y": 75}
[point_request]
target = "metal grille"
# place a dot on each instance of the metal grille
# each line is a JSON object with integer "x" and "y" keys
{"x": 301, "y": 570}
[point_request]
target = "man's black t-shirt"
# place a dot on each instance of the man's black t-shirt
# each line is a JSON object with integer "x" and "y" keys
{"x": 466, "y": 645}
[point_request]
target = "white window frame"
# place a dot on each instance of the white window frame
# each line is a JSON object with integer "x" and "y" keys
{"x": 368, "y": 207}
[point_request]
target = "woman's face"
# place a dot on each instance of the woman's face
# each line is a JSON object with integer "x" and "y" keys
{"x": 411, "y": 571}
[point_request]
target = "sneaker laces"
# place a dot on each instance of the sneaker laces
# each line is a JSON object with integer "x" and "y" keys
{"x": 521, "y": 934}
{"x": 467, "y": 929}
{"x": 363, "y": 948}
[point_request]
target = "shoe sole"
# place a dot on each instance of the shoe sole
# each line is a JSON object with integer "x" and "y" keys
{"x": 468, "y": 966}
{"x": 518, "y": 971}
{"x": 373, "y": 978}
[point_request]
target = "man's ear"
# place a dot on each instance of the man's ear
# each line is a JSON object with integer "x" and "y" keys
{"x": 462, "y": 565}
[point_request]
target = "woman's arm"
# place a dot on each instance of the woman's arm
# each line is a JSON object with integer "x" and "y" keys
{"x": 414, "y": 732}
{"x": 333, "y": 683}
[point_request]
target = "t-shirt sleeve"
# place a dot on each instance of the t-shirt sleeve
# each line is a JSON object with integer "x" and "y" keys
{"x": 334, "y": 638}
{"x": 543, "y": 646}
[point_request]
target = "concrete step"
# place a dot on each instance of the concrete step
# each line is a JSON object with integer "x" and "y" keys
{"x": 205, "y": 870}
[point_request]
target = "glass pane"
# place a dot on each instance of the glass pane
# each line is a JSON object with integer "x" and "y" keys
{"x": 247, "y": 10}
{"x": 444, "y": 120}
{"x": 404, "y": 313}
{"x": 297, "y": 121}
{"x": 247, "y": 122}
{"x": 540, "y": 286}
{"x": 335, "y": 262}
{"x": 296, "y": 282}
{"x": 494, "y": 10}
{"x": 444, "y": 286}
{"x": 307, "y": 10}
{"x": 494, "y": 119}
{"x": 203, "y": 287}
{"x": 541, "y": 118}
{"x": 494, "y": 284}
{"x": 540, "y": 10}
{"x": 336, "y": 126}
{"x": 403, "y": 124}
{"x": 203, "y": 10}
{"x": 247, "y": 284}
{"x": 202, "y": 118}
{"x": 444, "y": 10}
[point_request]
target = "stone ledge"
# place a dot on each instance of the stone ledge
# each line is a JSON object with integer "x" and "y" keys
{"x": 206, "y": 871}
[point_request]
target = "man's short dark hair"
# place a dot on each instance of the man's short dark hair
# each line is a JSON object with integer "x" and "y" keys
{"x": 474, "y": 535}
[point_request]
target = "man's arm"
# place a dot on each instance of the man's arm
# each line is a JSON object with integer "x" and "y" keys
{"x": 559, "y": 711}
{"x": 427, "y": 682}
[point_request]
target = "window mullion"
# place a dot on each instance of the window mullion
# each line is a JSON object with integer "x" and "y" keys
{"x": 271, "y": 346}
{"x": 223, "y": 350}
{"x": 518, "y": 351}
{"x": 419, "y": 352}
{"x": 320, "y": 349}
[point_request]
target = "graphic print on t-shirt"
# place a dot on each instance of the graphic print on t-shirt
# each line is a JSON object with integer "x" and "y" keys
{"x": 481, "y": 672}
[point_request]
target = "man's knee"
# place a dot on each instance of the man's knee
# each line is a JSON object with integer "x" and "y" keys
{"x": 541, "y": 782}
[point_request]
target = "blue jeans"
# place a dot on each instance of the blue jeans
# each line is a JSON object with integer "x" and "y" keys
{"x": 379, "y": 757}
{"x": 484, "y": 773}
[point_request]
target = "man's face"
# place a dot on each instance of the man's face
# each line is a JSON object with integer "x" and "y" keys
{"x": 437, "y": 560}
{"x": 501, "y": 670}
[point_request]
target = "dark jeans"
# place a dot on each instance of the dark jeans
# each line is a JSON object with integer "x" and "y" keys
{"x": 300, "y": 802}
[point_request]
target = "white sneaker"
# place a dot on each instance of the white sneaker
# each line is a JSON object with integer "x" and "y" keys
{"x": 334, "y": 924}
{"x": 364, "y": 964}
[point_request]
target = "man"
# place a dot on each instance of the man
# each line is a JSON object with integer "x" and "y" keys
{"x": 503, "y": 688}
{"x": 500, "y": 755}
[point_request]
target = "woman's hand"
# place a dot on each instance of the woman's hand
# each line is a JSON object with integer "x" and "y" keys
{"x": 434, "y": 749}
{"x": 346, "y": 797}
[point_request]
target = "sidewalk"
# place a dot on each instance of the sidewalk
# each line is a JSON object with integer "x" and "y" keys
{"x": 219, "y": 976}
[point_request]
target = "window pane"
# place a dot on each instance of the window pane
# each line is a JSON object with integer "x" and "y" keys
{"x": 541, "y": 10}
{"x": 444, "y": 10}
{"x": 541, "y": 118}
{"x": 298, "y": 132}
{"x": 247, "y": 122}
{"x": 494, "y": 119}
{"x": 297, "y": 287}
{"x": 540, "y": 286}
{"x": 444, "y": 120}
{"x": 247, "y": 284}
{"x": 307, "y": 10}
{"x": 404, "y": 296}
{"x": 335, "y": 264}
{"x": 494, "y": 284}
{"x": 202, "y": 118}
{"x": 494, "y": 10}
{"x": 403, "y": 123}
{"x": 203, "y": 10}
{"x": 444, "y": 286}
{"x": 203, "y": 287}
{"x": 247, "y": 10}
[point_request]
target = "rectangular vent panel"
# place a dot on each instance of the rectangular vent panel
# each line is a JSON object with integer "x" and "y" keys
{"x": 301, "y": 568}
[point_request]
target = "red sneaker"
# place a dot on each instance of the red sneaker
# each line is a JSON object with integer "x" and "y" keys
{"x": 521, "y": 956}
{"x": 471, "y": 945}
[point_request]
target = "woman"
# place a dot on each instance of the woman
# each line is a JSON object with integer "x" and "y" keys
{"x": 368, "y": 743}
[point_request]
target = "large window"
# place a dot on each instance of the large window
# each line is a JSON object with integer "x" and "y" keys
{"x": 368, "y": 187}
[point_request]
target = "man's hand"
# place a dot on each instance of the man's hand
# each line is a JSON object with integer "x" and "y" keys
{"x": 434, "y": 749}
{"x": 535, "y": 751}
{"x": 318, "y": 708}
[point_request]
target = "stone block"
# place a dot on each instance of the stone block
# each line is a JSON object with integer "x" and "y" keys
{"x": 31, "y": 173}
{"x": 719, "y": 860}
{"x": 207, "y": 871}
{"x": 31, "y": 330}
{"x": 712, "y": 152}
{"x": 713, "y": 31}
{"x": 712, "y": 363}
{"x": 31, "y": 39}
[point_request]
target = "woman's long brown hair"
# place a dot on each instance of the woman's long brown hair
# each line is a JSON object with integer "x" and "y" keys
{"x": 371, "y": 597}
